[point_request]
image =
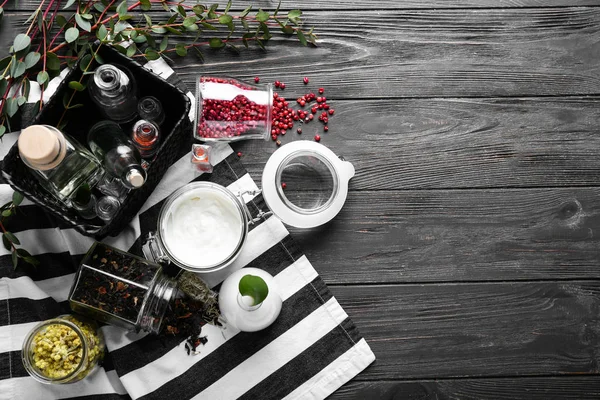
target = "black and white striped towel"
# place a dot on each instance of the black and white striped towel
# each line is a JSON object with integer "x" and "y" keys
{"x": 311, "y": 350}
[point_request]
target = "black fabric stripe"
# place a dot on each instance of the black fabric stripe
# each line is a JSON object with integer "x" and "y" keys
{"x": 304, "y": 366}
{"x": 23, "y": 310}
{"x": 236, "y": 166}
{"x": 34, "y": 217}
{"x": 5, "y": 365}
{"x": 52, "y": 265}
{"x": 239, "y": 348}
{"x": 110, "y": 396}
{"x": 11, "y": 365}
{"x": 274, "y": 260}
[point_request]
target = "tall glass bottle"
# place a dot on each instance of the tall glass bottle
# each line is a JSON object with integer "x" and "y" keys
{"x": 121, "y": 158}
{"x": 58, "y": 161}
{"x": 114, "y": 91}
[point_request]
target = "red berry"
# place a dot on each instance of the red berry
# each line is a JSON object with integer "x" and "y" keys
{"x": 325, "y": 106}
{"x": 321, "y": 90}
{"x": 256, "y": 79}
{"x": 305, "y": 80}
{"x": 277, "y": 83}
{"x": 331, "y": 111}
{"x": 325, "y": 128}
{"x": 239, "y": 154}
{"x": 299, "y": 130}
{"x": 274, "y": 137}
{"x": 302, "y": 103}
{"x": 317, "y": 138}
{"x": 319, "y": 99}
{"x": 314, "y": 110}
{"x": 275, "y": 95}
{"x": 282, "y": 85}
{"x": 283, "y": 185}
{"x": 310, "y": 117}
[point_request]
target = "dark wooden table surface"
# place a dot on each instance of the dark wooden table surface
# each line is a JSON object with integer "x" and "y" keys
{"x": 468, "y": 252}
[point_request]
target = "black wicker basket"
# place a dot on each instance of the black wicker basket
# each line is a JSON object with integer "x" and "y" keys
{"x": 176, "y": 131}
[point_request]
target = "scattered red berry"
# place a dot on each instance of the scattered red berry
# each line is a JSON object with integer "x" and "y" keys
{"x": 239, "y": 154}
{"x": 302, "y": 103}
{"x": 274, "y": 137}
{"x": 319, "y": 99}
{"x": 282, "y": 85}
{"x": 321, "y": 90}
{"x": 325, "y": 128}
{"x": 310, "y": 117}
{"x": 305, "y": 80}
{"x": 299, "y": 130}
{"x": 283, "y": 185}
{"x": 331, "y": 111}
{"x": 256, "y": 79}
{"x": 313, "y": 110}
{"x": 317, "y": 138}
{"x": 277, "y": 84}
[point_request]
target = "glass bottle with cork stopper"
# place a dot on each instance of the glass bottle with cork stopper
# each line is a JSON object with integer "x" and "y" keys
{"x": 59, "y": 162}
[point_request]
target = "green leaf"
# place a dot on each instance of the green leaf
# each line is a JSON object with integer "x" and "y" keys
{"x": 15, "y": 259}
{"x": 42, "y": 77}
{"x": 120, "y": 27}
{"x": 17, "y": 69}
{"x": 99, "y": 7}
{"x": 11, "y": 237}
{"x": 31, "y": 260}
{"x": 7, "y": 213}
{"x": 21, "y": 100}
{"x": 17, "y": 198}
{"x": 294, "y": 14}
{"x": 209, "y": 26}
{"x": 198, "y": 9}
{"x": 180, "y": 50}
{"x": 61, "y": 20}
{"x": 98, "y": 58}
{"x": 215, "y": 43}
{"x": 25, "y": 88}
{"x": 266, "y": 33}
{"x": 301, "y": 37}
{"x": 211, "y": 11}
{"x": 164, "y": 43}
{"x": 152, "y": 54}
{"x": 52, "y": 62}
{"x": 21, "y": 42}
{"x": 255, "y": 287}
{"x": 181, "y": 11}
{"x": 148, "y": 20}
{"x": 173, "y": 30}
{"x": 233, "y": 48}
{"x": 76, "y": 86}
{"x": 122, "y": 8}
{"x": 4, "y": 64}
{"x": 85, "y": 61}
{"x": 262, "y": 16}
{"x": 199, "y": 53}
{"x": 225, "y": 19}
{"x": 101, "y": 32}
{"x": 192, "y": 28}
{"x": 69, "y": 4}
{"x": 146, "y": 6}
{"x": 159, "y": 29}
{"x": 227, "y": 7}
{"x": 11, "y": 107}
{"x": 83, "y": 24}
{"x": 87, "y": 16}
{"x": 3, "y": 86}
{"x": 131, "y": 50}
{"x": 75, "y": 106}
{"x": 23, "y": 253}
{"x": 71, "y": 34}
{"x": 6, "y": 243}
{"x": 288, "y": 30}
{"x": 31, "y": 59}
{"x": 191, "y": 20}
{"x": 141, "y": 39}
{"x": 246, "y": 11}
{"x": 277, "y": 9}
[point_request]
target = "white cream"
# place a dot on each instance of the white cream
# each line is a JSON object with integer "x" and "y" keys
{"x": 202, "y": 227}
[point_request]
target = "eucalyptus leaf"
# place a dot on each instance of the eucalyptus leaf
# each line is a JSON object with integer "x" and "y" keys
{"x": 71, "y": 34}
{"x": 152, "y": 54}
{"x": 99, "y": 7}
{"x": 11, "y": 237}
{"x": 101, "y": 32}
{"x": 76, "y": 86}
{"x": 301, "y": 37}
{"x": 52, "y": 62}
{"x": 159, "y": 29}
{"x": 3, "y": 86}
{"x": 180, "y": 50}
{"x": 31, "y": 260}
{"x": 192, "y": 28}
{"x": 131, "y": 50}
{"x": 191, "y": 20}
{"x": 21, "y": 100}
{"x": 288, "y": 30}
{"x": 82, "y": 23}
{"x": 215, "y": 43}
{"x": 294, "y": 14}
{"x": 198, "y": 9}
{"x": 225, "y": 19}
{"x": 98, "y": 58}
{"x": 42, "y": 77}
{"x": 120, "y": 26}
{"x": 7, "y": 213}
{"x": 15, "y": 259}
{"x": 209, "y": 26}
{"x": 69, "y": 4}
{"x": 87, "y": 16}
{"x": 6, "y": 243}
{"x": 173, "y": 30}
{"x": 148, "y": 20}
{"x": 23, "y": 253}
{"x": 85, "y": 62}
{"x": 164, "y": 43}
{"x": 145, "y": 4}
{"x": 17, "y": 198}
{"x": 199, "y": 53}
{"x": 122, "y": 8}
{"x": 4, "y": 64}
{"x": 17, "y": 69}
{"x": 140, "y": 39}
{"x": 246, "y": 11}
{"x": 181, "y": 10}
{"x": 262, "y": 16}
{"x": 61, "y": 20}
{"x": 75, "y": 106}
{"x": 21, "y": 42}
{"x": 255, "y": 287}
{"x": 31, "y": 59}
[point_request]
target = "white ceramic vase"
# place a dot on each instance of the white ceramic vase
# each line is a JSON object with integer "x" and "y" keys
{"x": 238, "y": 310}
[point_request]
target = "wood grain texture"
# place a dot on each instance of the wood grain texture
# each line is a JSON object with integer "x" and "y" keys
{"x": 503, "y": 329}
{"x": 426, "y": 53}
{"x": 457, "y": 143}
{"x": 548, "y": 388}
{"x": 367, "y": 4}
{"x": 458, "y": 235}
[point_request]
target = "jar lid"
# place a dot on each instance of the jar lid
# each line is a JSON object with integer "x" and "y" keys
{"x": 41, "y": 148}
{"x": 305, "y": 184}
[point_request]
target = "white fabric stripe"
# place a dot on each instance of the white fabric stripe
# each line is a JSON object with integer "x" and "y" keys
{"x": 277, "y": 353}
{"x": 35, "y": 92}
{"x": 332, "y": 377}
{"x": 192, "y": 113}
{"x": 57, "y": 288}
{"x": 6, "y": 191}
{"x": 159, "y": 67}
{"x": 40, "y": 241}
{"x": 243, "y": 184}
{"x": 27, "y": 388}
{"x": 152, "y": 376}
{"x": 53, "y": 84}
{"x": 13, "y": 335}
{"x": 181, "y": 173}
{"x": 259, "y": 240}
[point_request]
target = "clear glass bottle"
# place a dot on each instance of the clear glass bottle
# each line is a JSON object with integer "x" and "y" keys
{"x": 77, "y": 341}
{"x": 150, "y": 109}
{"x": 84, "y": 202}
{"x": 113, "y": 90}
{"x": 121, "y": 289}
{"x": 58, "y": 161}
{"x": 145, "y": 136}
{"x": 107, "y": 207}
{"x": 121, "y": 158}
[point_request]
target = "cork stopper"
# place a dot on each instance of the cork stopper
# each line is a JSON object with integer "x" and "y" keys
{"x": 135, "y": 178}
{"x": 42, "y": 147}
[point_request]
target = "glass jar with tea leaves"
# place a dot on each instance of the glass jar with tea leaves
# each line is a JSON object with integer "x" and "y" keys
{"x": 121, "y": 289}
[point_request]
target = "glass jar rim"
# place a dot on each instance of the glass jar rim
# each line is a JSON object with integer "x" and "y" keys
{"x": 27, "y": 353}
{"x": 163, "y": 214}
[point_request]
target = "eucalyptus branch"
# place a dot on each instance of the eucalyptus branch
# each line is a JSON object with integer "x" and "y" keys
{"x": 9, "y": 240}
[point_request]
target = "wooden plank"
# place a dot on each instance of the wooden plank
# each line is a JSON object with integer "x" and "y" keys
{"x": 458, "y": 235}
{"x": 563, "y": 388}
{"x": 454, "y": 143}
{"x": 466, "y": 330}
{"x": 354, "y": 5}
{"x": 427, "y": 53}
